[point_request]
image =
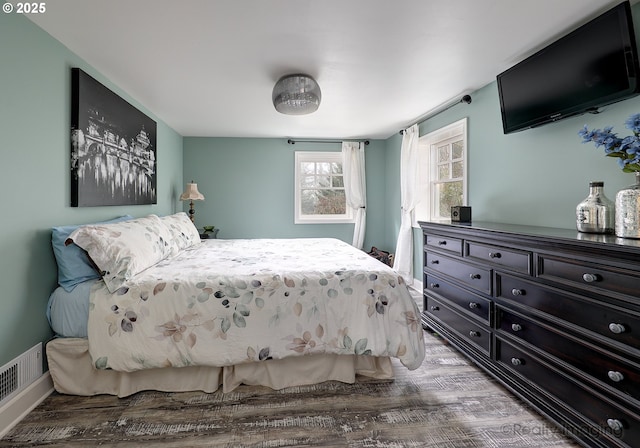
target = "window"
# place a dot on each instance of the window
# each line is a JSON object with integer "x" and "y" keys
{"x": 319, "y": 192}
{"x": 442, "y": 172}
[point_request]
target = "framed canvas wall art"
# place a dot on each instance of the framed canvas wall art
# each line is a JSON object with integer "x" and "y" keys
{"x": 113, "y": 147}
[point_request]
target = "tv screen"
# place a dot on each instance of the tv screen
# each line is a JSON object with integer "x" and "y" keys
{"x": 595, "y": 65}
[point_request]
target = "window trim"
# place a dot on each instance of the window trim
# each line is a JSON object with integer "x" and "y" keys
{"x": 317, "y": 156}
{"x": 426, "y": 143}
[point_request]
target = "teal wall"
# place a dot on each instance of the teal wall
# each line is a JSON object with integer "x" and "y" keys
{"x": 35, "y": 80}
{"x": 248, "y": 188}
{"x": 392, "y": 189}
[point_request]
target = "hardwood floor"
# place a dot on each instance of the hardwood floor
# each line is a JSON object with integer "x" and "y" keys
{"x": 445, "y": 403}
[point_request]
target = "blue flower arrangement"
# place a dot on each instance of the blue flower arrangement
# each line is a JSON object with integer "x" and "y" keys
{"x": 626, "y": 149}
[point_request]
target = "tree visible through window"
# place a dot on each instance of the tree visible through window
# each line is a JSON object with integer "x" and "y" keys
{"x": 449, "y": 176}
{"x": 442, "y": 172}
{"x": 320, "y": 194}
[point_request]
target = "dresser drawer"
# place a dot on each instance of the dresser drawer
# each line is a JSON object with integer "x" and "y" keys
{"x": 618, "y": 324}
{"x": 473, "y": 276}
{"x": 603, "y": 367}
{"x": 466, "y": 329}
{"x": 453, "y": 245}
{"x": 466, "y": 301}
{"x": 589, "y": 276}
{"x": 618, "y": 426}
{"x": 516, "y": 260}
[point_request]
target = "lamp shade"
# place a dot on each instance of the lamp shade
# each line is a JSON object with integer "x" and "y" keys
{"x": 296, "y": 95}
{"x": 191, "y": 193}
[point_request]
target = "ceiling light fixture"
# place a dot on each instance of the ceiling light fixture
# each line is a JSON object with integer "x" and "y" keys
{"x": 296, "y": 95}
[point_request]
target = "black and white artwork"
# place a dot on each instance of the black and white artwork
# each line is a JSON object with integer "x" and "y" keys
{"x": 113, "y": 147}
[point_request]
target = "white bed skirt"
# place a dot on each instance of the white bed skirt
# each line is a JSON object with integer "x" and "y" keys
{"x": 73, "y": 373}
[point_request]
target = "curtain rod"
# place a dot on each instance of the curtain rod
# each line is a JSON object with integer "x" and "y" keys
{"x": 293, "y": 142}
{"x": 465, "y": 99}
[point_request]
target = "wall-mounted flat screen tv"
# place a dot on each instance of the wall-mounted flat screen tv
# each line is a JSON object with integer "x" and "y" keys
{"x": 595, "y": 65}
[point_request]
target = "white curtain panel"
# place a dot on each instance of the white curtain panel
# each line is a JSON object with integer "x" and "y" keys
{"x": 403, "y": 259}
{"x": 355, "y": 187}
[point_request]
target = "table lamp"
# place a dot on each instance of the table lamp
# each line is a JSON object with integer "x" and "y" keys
{"x": 191, "y": 194}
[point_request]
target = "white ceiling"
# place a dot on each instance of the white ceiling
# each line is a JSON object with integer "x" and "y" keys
{"x": 207, "y": 67}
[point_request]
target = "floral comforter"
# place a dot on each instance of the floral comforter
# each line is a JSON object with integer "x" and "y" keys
{"x": 224, "y": 302}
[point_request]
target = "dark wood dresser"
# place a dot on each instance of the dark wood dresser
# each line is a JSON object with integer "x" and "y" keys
{"x": 553, "y": 314}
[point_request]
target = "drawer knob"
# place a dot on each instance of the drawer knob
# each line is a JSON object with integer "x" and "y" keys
{"x": 517, "y": 292}
{"x": 615, "y": 424}
{"x": 590, "y": 278}
{"x": 435, "y": 308}
{"x": 617, "y": 328}
{"x": 474, "y": 276}
{"x": 495, "y": 255}
{"x": 473, "y": 305}
{"x": 435, "y": 261}
{"x": 517, "y": 361}
{"x": 615, "y": 376}
{"x": 474, "y": 334}
{"x": 433, "y": 285}
{"x": 516, "y": 327}
{"x": 442, "y": 243}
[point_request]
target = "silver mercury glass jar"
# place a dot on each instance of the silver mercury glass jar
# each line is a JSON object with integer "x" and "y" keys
{"x": 596, "y": 214}
{"x": 628, "y": 211}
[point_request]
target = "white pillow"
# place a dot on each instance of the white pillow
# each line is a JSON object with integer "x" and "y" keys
{"x": 122, "y": 250}
{"x": 183, "y": 230}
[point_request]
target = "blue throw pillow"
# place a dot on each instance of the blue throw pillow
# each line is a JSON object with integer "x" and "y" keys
{"x": 74, "y": 265}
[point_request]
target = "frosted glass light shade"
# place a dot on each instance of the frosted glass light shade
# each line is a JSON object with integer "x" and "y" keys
{"x": 296, "y": 95}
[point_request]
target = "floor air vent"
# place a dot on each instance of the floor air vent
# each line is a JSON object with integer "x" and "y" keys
{"x": 20, "y": 372}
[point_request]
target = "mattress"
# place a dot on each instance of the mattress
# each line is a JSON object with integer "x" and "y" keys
{"x": 68, "y": 311}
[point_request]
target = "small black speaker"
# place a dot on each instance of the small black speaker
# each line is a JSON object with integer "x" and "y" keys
{"x": 460, "y": 213}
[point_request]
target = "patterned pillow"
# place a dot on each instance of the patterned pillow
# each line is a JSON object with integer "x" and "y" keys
{"x": 74, "y": 267}
{"x": 183, "y": 230}
{"x": 122, "y": 250}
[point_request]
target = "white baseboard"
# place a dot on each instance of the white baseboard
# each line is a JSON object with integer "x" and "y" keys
{"x": 416, "y": 286}
{"x": 416, "y": 293}
{"x": 19, "y": 406}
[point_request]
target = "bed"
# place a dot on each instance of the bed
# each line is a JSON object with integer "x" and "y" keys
{"x": 160, "y": 309}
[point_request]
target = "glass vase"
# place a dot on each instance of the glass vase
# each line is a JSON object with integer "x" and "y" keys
{"x": 596, "y": 213}
{"x": 628, "y": 210}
